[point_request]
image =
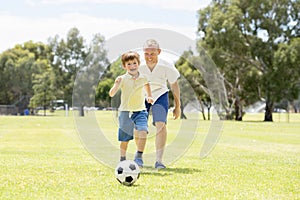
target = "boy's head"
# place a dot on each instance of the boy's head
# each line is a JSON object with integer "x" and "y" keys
{"x": 131, "y": 62}
{"x": 129, "y": 56}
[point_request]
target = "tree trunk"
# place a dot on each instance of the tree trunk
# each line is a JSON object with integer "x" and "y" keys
{"x": 202, "y": 108}
{"x": 182, "y": 116}
{"x": 269, "y": 111}
{"x": 81, "y": 111}
{"x": 238, "y": 110}
{"x": 208, "y": 112}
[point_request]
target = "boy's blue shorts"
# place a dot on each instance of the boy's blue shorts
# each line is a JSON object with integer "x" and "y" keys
{"x": 159, "y": 108}
{"x": 137, "y": 120}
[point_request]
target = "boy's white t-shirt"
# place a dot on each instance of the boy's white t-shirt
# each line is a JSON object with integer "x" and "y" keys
{"x": 162, "y": 72}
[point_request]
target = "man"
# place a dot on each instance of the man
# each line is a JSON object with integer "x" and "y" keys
{"x": 159, "y": 73}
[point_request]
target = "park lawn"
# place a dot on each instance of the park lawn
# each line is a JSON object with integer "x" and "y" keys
{"x": 43, "y": 158}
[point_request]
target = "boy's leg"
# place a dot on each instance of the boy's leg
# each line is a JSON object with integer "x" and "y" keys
{"x": 123, "y": 150}
{"x": 125, "y": 133}
{"x": 140, "y": 133}
{"x": 140, "y": 143}
{"x": 140, "y": 139}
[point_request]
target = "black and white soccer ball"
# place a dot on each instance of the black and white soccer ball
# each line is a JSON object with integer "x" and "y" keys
{"x": 127, "y": 172}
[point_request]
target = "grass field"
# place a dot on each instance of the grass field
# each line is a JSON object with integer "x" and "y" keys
{"x": 43, "y": 158}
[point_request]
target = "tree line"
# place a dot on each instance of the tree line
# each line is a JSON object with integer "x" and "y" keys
{"x": 254, "y": 44}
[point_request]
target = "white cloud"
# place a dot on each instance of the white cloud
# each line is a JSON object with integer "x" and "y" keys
{"x": 30, "y": 2}
{"x": 18, "y": 30}
{"x": 21, "y": 27}
{"x": 188, "y": 5}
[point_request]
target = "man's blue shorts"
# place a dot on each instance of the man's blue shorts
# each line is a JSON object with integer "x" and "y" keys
{"x": 159, "y": 108}
{"x": 137, "y": 120}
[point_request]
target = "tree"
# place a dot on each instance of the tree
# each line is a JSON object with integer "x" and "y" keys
{"x": 43, "y": 85}
{"x": 287, "y": 61}
{"x": 15, "y": 69}
{"x": 42, "y": 76}
{"x": 21, "y": 74}
{"x": 106, "y": 82}
{"x": 87, "y": 79}
{"x": 47, "y": 72}
{"x": 68, "y": 57}
{"x": 194, "y": 80}
{"x": 242, "y": 37}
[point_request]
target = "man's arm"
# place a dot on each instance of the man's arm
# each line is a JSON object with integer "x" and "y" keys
{"x": 176, "y": 93}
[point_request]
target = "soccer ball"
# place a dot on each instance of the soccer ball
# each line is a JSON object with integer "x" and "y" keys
{"x": 127, "y": 172}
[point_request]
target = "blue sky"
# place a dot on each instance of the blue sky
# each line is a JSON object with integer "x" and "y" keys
{"x": 37, "y": 20}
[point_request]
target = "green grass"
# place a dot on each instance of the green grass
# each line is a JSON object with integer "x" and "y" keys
{"x": 43, "y": 158}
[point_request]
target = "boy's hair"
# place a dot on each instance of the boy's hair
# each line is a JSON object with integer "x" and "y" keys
{"x": 130, "y": 55}
{"x": 151, "y": 44}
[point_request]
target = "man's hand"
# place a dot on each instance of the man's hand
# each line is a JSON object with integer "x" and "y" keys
{"x": 176, "y": 112}
{"x": 176, "y": 93}
{"x": 150, "y": 100}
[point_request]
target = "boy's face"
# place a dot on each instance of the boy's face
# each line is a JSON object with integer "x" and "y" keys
{"x": 132, "y": 66}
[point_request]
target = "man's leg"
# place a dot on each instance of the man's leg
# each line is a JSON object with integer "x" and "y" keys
{"x": 160, "y": 113}
{"x": 161, "y": 138}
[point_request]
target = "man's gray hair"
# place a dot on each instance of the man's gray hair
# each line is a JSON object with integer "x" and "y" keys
{"x": 151, "y": 44}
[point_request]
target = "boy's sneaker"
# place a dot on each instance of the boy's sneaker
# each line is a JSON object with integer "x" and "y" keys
{"x": 139, "y": 162}
{"x": 159, "y": 165}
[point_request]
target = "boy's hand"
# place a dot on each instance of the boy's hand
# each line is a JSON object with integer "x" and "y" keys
{"x": 118, "y": 80}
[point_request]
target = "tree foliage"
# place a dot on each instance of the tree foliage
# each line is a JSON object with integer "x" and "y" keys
{"x": 68, "y": 57}
{"x": 16, "y": 66}
{"x": 243, "y": 37}
{"x": 106, "y": 82}
{"x": 193, "y": 79}
{"x": 47, "y": 72}
{"x": 88, "y": 77}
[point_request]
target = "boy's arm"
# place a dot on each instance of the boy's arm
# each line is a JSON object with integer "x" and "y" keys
{"x": 149, "y": 94}
{"x": 115, "y": 87}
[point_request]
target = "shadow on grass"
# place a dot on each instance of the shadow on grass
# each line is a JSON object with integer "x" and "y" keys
{"x": 147, "y": 170}
{"x": 252, "y": 121}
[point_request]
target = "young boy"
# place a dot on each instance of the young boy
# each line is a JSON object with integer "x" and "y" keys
{"x": 133, "y": 114}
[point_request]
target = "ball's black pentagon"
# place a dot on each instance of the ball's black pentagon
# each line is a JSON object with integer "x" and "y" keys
{"x": 132, "y": 167}
{"x": 128, "y": 179}
{"x": 120, "y": 170}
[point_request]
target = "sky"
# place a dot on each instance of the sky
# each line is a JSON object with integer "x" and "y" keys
{"x": 38, "y": 20}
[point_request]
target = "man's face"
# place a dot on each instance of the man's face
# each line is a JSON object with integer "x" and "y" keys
{"x": 151, "y": 55}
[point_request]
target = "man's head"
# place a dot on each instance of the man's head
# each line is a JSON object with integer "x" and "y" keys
{"x": 151, "y": 52}
{"x": 151, "y": 44}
